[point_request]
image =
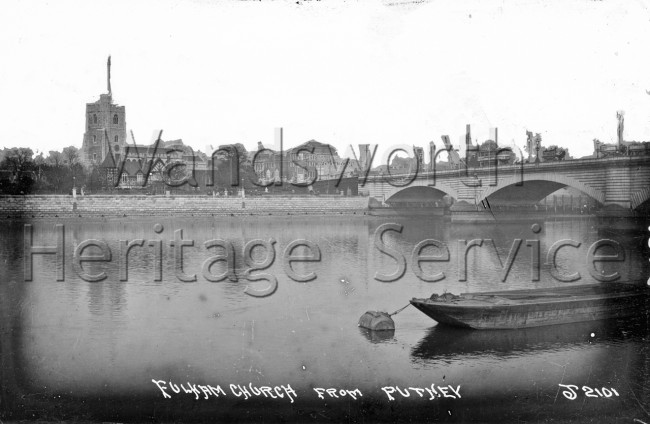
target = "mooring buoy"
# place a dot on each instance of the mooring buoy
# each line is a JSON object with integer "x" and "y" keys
{"x": 376, "y": 321}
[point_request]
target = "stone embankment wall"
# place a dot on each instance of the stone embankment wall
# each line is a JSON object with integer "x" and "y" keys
{"x": 42, "y": 206}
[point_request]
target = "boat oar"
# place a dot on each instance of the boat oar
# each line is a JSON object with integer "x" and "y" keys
{"x": 379, "y": 321}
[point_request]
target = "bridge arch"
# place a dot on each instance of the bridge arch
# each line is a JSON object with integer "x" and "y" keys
{"x": 422, "y": 186}
{"x": 544, "y": 185}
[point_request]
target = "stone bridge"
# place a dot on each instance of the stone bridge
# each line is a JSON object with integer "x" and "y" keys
{"x": 615, "y": 183}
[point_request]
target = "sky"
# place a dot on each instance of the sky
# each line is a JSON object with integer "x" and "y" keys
{"x": 386, "y": 73}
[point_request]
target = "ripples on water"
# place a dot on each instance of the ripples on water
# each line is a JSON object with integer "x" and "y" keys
{"x": 112, "y": 337}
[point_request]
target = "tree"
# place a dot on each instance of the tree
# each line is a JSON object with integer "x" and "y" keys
{"x": 54, "y": 158}
{"x": 17, "y": 159}
{"x": 39, "y": 159}
{"x": 232, "y": 165}
{"x": 70, "y": 155}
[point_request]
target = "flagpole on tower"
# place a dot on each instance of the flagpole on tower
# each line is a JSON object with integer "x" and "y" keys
{"x": 108, "y": 76}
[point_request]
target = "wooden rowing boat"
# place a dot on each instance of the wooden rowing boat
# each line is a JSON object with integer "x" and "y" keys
{"x": 537, "y": 307}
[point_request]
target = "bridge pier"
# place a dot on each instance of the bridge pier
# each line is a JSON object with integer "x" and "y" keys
{"x": 617, "y": 189}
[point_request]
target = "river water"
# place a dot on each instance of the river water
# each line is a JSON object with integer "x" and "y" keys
{"x": 90, "y": 350}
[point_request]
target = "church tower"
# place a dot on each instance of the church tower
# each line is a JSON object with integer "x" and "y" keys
{"x": 105, "y": 127}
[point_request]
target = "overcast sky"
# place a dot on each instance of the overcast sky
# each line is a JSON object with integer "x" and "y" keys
{"x": 342, "y": 73}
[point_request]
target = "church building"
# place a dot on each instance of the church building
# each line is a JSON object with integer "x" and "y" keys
{"x": 105, "y": 127}
{"x": 117, "y": 163}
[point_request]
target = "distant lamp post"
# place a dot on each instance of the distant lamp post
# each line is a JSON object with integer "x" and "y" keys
{"x": 538, "y": 140}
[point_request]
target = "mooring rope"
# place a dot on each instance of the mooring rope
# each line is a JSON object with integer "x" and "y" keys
{"x": 400, "y": 310}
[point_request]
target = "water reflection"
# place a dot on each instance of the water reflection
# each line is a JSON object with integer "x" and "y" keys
{"x": 110, "y": 338}
{"x": 382, "y": 336}
{"x": 532, "y": 363}
{"x": 459, "y": 343}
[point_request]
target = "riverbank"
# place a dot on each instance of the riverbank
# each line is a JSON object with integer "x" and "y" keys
{"x": 104, "y": 206}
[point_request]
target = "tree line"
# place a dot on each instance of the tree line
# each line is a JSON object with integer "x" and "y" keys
{"x": 22, "y": 172}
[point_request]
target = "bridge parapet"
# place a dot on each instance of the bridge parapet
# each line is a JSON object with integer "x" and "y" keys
{"x": 613, "y": 182}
